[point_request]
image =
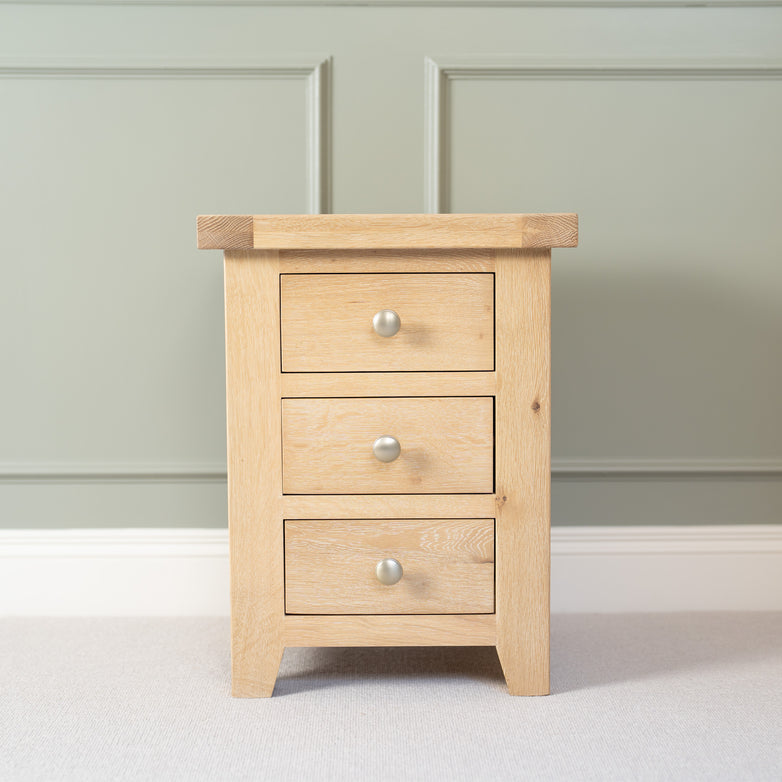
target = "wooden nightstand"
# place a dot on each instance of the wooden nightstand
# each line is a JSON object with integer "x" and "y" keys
{"x": 388, "y": 395}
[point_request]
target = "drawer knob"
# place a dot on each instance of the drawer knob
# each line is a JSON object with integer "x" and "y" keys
{"x": 386, "y": 323}
{"x": 386, "y": 448}
{"x": 389, "y": 571}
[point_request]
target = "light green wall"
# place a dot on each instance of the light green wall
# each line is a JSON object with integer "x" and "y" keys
{"x": 660, "y": 126}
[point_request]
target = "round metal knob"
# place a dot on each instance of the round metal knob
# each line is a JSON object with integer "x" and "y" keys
{"x": 389, "y": 571}
{"x": 386, "y": 448}
{"x": 386, "y": 323}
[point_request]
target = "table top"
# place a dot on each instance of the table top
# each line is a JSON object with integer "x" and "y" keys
{"x": 394, "y": 231}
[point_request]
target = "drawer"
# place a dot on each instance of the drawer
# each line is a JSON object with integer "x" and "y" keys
{"x": 446, "y": 322}
{"x": 446, "y": 445}
{"x": 447, "y": 566}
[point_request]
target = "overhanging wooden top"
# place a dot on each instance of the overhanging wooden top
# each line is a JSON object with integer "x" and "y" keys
{"x": 394, "y": 232}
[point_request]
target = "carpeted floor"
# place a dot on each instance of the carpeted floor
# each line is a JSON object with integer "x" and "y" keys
{"x": 635, "y": 697}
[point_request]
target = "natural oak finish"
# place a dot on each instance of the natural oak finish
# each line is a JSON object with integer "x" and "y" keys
{"x": 448, "y": 566}
{"x": 391, "y": 630}
{"x": 447, "y": 322}
{"x": 472, "y": 482}
{"x": 447, "y": 445}
{"x": 254, "y": 470}
{"x": 225, "y": 232}
{"x": 523, "y": 468}
{"x": 418, "y": 231}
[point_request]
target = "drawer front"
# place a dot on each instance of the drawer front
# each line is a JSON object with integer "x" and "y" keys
{"x": 446, "y": 445}
{"x": 447, "y": 566}
{"x": 446, "y": 322}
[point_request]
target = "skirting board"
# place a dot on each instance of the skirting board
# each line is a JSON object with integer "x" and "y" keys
{"x": 184, "y": 572}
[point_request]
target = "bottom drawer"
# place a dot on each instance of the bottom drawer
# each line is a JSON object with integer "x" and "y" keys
{"x": 446, "y": 566}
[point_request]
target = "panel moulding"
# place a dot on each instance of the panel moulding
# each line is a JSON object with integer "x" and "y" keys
{"x": 423, "y": 3}
{"x": 215, "y": 472}
{"x": 313, "y": 71}
{"x": 440, "y": 72}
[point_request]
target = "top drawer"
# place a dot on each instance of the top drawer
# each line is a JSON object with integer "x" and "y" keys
{"x": 447, "y": 322}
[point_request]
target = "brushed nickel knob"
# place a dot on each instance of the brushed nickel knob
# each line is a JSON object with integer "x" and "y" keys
{"x": 386, "y": 448}
{"x": 386, "y": 323}
{"x": 389, "y": 571}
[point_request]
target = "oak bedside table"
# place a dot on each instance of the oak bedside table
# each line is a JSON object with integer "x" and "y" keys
{"x": 388, "y": 407}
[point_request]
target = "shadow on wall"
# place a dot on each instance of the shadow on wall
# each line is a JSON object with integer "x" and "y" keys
{"x": 675, "y": 362}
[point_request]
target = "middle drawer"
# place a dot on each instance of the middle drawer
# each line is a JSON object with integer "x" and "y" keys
{"x": 396, "y": 445}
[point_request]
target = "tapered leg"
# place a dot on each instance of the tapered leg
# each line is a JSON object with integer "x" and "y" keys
{"x": 254, "y": 469}
{"x": 254, "y": 677}
{"x": 523, "y": 467}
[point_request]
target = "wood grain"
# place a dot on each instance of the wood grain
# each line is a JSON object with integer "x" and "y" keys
{"x": 225, "y": 232}
{"x": 523, "y": 468}
{"x": 378, "y": 383}
{"x": 254, "y": 474}
{"x": 448, "y": 566}
{"x": 391, "y": 630}
{"x": 447, "y": 445}
{"x": 388, "y": 506}
{"x": 550, "y": 230}
{"x": 447, "y": 322}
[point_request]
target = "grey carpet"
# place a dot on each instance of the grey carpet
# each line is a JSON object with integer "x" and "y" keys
{"x": 636, "y": 697}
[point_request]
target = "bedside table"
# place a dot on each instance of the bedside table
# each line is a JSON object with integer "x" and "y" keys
{"x": 388, "y": 413}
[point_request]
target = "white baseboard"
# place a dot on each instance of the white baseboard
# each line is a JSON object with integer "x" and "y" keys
{"x": 184, "y": 572}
